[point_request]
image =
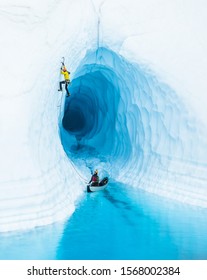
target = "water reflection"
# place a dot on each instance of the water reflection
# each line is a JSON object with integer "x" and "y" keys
{"x": 117, "y": 223}
{"x": 37, "y": 244}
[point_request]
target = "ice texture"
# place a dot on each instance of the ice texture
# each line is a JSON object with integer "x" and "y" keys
{"x": 137, "y": 99}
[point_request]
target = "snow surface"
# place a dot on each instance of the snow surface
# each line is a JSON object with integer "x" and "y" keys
{"x": 137, "y": 109}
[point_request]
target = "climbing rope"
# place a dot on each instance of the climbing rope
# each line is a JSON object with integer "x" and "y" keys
{"x": 80, "y": 176}
{"x": 60, "y": 113}
{"x": 63, "y": 63}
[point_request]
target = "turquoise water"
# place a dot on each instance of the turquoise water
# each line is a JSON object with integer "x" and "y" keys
{"x": 117, "y": 223}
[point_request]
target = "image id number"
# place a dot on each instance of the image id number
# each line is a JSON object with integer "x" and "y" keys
{"x": 150, "y": 270}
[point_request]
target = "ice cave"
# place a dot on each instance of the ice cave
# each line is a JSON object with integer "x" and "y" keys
{"x": 137, "y": 110}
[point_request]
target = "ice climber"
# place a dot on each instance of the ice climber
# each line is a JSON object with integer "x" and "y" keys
{"x": 66, "y": 81}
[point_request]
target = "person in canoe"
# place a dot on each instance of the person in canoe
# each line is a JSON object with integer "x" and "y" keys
{"x": 95, "y": 178}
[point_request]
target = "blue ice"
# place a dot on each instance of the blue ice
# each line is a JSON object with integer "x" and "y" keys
{"x": 122, "y": 117}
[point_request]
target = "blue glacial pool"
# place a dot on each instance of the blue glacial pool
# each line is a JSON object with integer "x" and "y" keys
{"x": 118, "y": 223}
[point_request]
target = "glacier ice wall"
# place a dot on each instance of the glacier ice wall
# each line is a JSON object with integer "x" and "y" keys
{"x": 138, "y": 91}
{"x": 139, "y": 123}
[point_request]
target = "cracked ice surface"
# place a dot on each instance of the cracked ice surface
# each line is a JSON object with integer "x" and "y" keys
{"x": 138, "y": 84}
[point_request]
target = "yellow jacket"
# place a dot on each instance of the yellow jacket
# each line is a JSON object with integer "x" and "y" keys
{"x": 66, "y": 75}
